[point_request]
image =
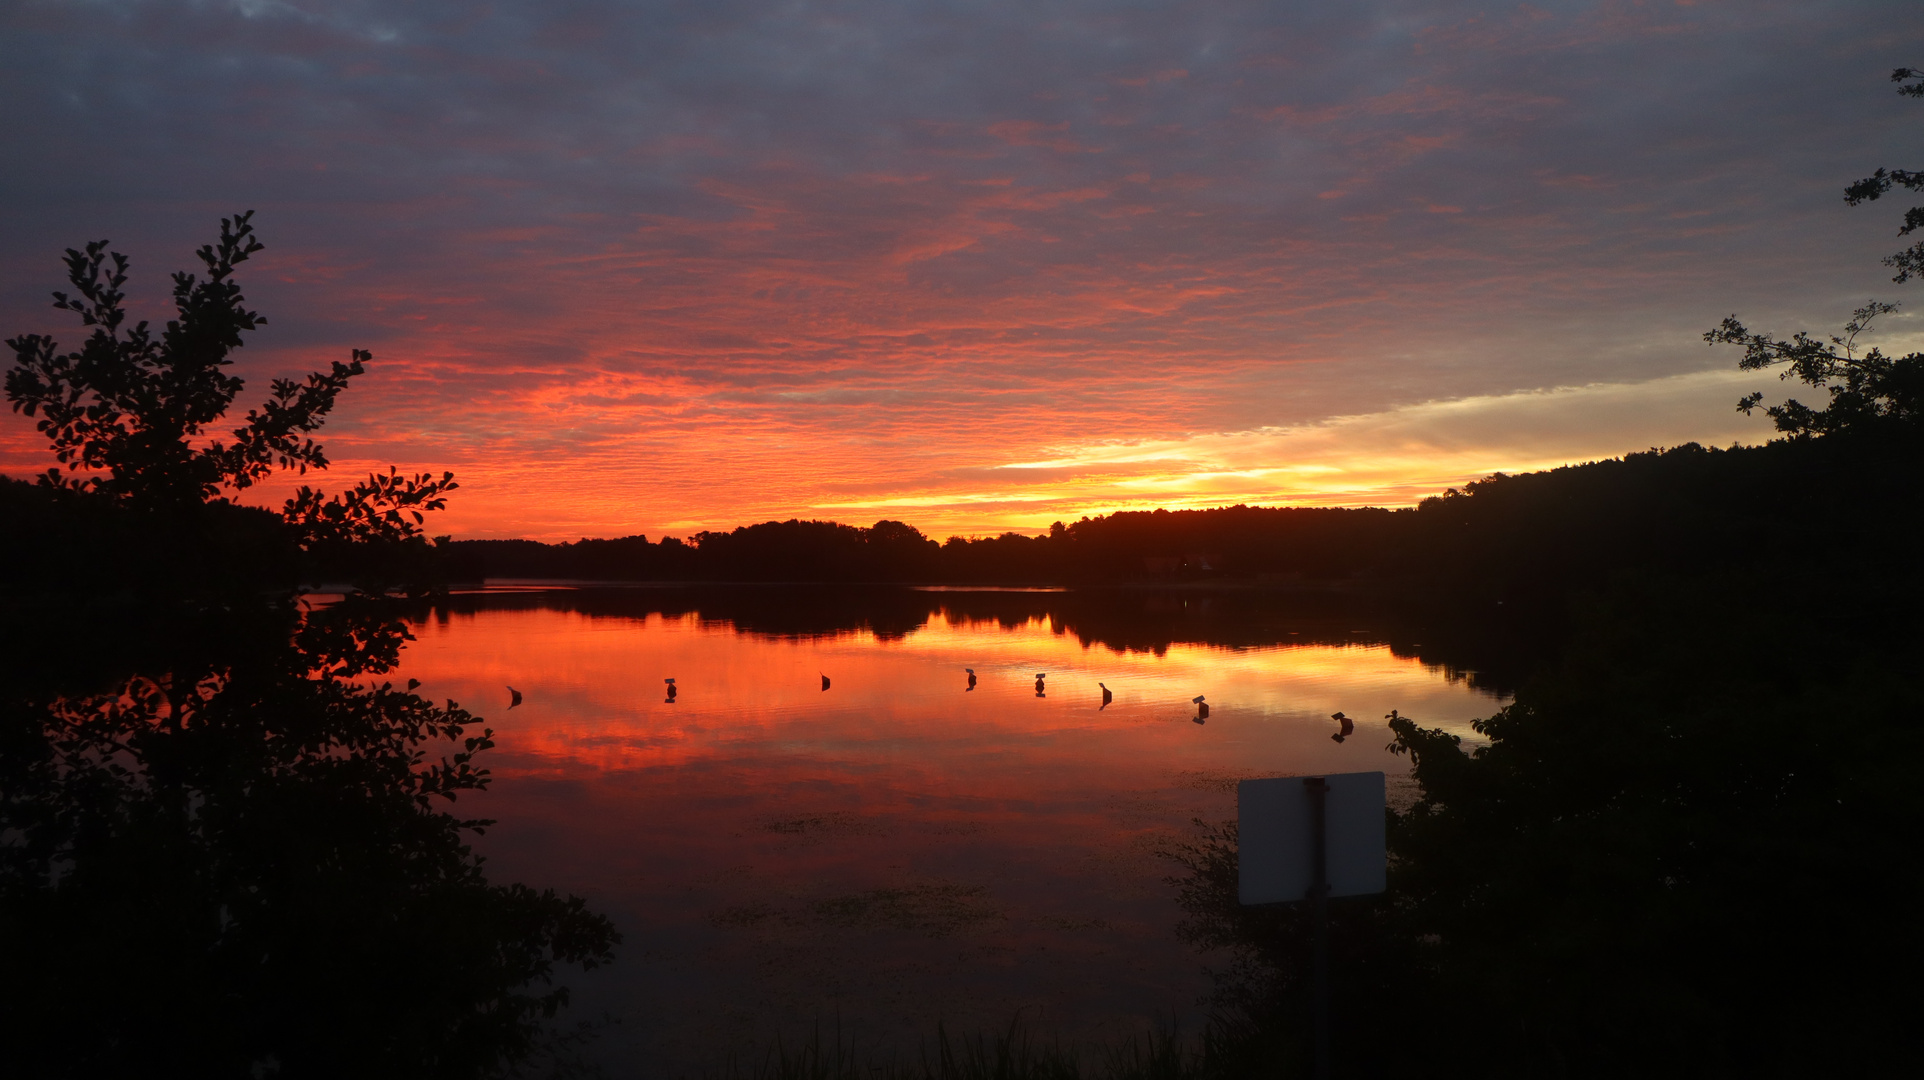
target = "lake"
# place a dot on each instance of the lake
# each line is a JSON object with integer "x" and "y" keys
{"x": 895, "y": 848}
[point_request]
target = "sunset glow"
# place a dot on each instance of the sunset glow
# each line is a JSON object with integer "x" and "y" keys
{"x": 658, "y": 268}
{"x": 601, "y": 707}
{"x": 1018, "y": 835}
{"x": 933, "y": 538}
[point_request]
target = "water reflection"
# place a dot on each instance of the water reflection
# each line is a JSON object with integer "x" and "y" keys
{"x": 239, "y": 849}
{"x": 892, "y": 853}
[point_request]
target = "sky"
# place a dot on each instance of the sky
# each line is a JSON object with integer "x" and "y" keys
{"x": 655, "y": 267}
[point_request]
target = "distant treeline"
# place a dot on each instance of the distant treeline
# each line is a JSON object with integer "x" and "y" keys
{"x": 1528, "y": 541}
{"x": 1678, "y": 510}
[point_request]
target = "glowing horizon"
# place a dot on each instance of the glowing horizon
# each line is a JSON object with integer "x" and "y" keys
{"x": 656, "y": 268}
{"x": 1432, "y": 447}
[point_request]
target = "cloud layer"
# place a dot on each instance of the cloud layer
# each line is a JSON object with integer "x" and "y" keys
{"x": 635, "y": 267}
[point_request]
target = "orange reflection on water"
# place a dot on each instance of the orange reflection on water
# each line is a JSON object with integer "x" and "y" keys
{"x": 595, "y": 686}
{"x": 731, "y": 831}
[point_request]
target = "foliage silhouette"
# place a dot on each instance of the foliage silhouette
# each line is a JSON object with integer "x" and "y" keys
{"x": 239, "y": 860}
{"x": 1497, "y": 560}
{"x": 1910, "y": 261}
{"x": 224, "y": 842}
{"x": 1868, "y": 391}
{"x": 134, "y": 410}
{"x": 1677, "y": 853}
{"x": 1680, "y": 850}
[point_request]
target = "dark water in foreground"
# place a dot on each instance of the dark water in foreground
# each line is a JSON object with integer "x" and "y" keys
{"x": 896, "y": 849}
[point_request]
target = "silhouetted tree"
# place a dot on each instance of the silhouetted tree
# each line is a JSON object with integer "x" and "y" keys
{"x": 1639, "y": 865}
{"x": 133, "y": 411}
{"x": 1868, "y": 390}
{"x": 1910, "y": 261}
{"x": 1638, "y": 869}
{"x": 224, "y": 846}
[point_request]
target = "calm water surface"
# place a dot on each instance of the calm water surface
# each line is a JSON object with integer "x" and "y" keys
{"x": 897, "y": 849}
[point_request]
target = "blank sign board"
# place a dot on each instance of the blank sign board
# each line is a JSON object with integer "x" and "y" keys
{"x": 1278, "y": 845}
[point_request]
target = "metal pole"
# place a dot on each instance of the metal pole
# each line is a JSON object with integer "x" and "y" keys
{"x": 1318, "y": 790}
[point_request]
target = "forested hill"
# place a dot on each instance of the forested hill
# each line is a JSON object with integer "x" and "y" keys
{"x": 1683, "y": 510}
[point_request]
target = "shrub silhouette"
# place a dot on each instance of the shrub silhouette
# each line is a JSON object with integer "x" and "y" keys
{"x": 225, "y": 848}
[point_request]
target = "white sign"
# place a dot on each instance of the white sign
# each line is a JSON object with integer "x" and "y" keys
{"x": 1277, "y": 839}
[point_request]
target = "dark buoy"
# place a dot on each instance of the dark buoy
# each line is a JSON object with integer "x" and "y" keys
{"x": 1349, "y": 726}
{"x": 516, "y": 699}
{"x": 824, "y": 682}
{"x": 670, "y": 699}
{"x": 1039, "y": 676}
{"x": 971, "y": 672}
{"x": 1202, "y": 708}
{"x": 1107, "y": 696}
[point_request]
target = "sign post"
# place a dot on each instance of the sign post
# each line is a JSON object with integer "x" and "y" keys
{"x": 1307, "y": 839}
{"x": 1318, "y": 789}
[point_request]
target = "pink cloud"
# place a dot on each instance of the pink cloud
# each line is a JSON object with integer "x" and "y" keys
{"x": 628, "y": 278}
